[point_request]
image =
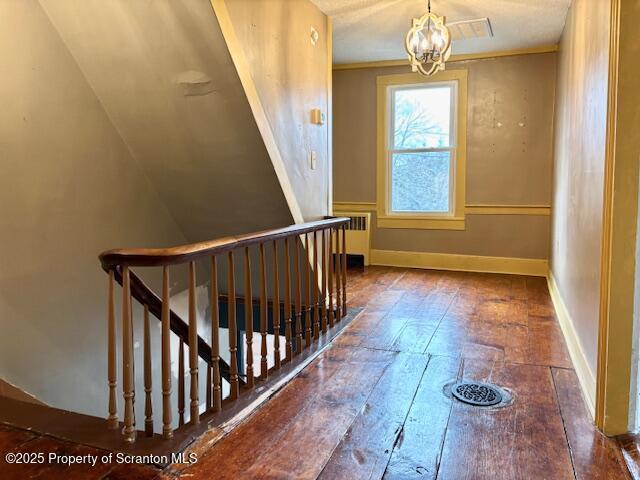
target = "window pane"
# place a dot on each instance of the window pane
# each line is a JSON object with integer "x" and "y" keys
{"x": 420, "y": 182}
{"x": 422, "y": 117}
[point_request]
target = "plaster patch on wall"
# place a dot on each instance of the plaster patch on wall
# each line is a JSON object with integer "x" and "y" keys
{"x": 195, "y": 83}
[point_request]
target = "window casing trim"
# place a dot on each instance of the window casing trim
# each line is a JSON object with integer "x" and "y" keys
{"x": 454, "y": 219}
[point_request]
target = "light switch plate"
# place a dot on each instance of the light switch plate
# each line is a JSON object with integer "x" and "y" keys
{"x": 317, "y": 116}
{"x": 313, "y": 160}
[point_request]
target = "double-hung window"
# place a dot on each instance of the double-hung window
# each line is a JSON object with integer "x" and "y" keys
{"x": 421, "y": 150}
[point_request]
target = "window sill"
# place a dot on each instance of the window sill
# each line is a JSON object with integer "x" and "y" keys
{"x": 424, "y": 223}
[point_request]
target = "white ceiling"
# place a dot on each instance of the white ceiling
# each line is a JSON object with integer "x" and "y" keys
{"x": 370, "y": 30}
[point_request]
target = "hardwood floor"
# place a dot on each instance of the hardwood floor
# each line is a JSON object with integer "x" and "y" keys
{"x": 372, "y": 405}
{"x": 21, "y": 442}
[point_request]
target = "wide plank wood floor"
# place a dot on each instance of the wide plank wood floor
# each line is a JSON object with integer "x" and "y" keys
{"x": 21, "y": 442}
{"x": 373, "y": 405}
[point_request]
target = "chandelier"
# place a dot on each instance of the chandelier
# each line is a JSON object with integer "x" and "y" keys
{"x": 428, "y": 43}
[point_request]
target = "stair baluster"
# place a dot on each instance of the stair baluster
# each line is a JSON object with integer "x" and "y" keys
{"x": 316, "y": 292}
{"x": 323, "y": 276}
{"x": 194, "y": 405}
{"x": 275, "y": 310}
{"x": 167, "y": 431}
{"x": 248, "y": 317}
{"x": 264, "y": 371}
{"x": 112, "y": 419}
{"x": 338, "y": 276}
{"x": 297, "y": 244}
{"x": 308, "y": 274}
{"x": 233, "y": 338}
{"x": 127, "y": 359}
{"x": 181, "y": 384}
{"x": 330, "y": 273}
{"x": 215, "y": 337}
{"x": 344, "y": 270}
{"x": 287, "y": 300}
{"x": 148, "y": 406}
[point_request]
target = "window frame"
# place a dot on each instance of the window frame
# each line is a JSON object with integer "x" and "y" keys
{"x": 453, "y": 219}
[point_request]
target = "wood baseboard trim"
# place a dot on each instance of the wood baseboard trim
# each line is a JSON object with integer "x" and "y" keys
{"x": 585, "y": 375}
{"x": 465, "y": 263}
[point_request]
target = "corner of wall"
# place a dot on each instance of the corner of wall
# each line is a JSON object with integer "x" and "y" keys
{"x": 244, "y": 73}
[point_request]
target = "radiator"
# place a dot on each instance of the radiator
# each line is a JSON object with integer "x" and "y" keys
{"x": 358, "y": 233}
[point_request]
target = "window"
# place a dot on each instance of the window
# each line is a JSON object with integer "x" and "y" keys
{"x": 421, "y": 150}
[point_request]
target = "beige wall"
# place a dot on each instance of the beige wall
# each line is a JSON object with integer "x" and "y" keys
{"x": 203, "y": 152}
{"x": 70, "y": 189}
{"x": 506, "y": 165}
{"x": 581, "y": 109}
{"x": 106, "y": 146}
{"x": 291, "y": 76}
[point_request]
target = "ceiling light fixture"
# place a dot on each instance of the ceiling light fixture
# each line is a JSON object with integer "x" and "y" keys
{"x": 428, "y": 43}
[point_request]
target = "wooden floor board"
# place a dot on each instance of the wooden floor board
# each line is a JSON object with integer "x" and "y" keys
{"x": 60, "y": 471}
{"x": 417, "y": 453}
{"x": 11, "y": 438}
{"x": 414, "y": 337}
{"x": 546, "y": 343}
{"x": 315, "y": 414}
{"x": 595, "y": 457}
{"x": 367, "y": 445}
{"x": 374, "y": 403}
{"x": 237, "y": 451}
{"x": 524, "y": 440}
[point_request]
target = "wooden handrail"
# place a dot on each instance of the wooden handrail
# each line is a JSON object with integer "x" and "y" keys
{"x": 154, "y": 257}
{"x": 322, "y": 265}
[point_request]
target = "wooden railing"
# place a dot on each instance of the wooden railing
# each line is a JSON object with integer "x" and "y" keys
{"x": 313, "y": 301}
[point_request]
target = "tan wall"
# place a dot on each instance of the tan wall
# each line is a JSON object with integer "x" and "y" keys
{"x": 290, "y": 75}
{"x": 581, "y": 109}
{"x": 70, "y": 189}
{"x": 506, "y": 165}
{"x": 199, "y": 145}
{"x": 106, "y": 146}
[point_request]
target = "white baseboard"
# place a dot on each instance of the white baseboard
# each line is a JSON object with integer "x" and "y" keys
{"x": 584, "y": 373}
{"x": 466, "y": 263}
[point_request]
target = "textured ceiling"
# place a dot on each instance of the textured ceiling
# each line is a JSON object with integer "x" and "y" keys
{"x": 370, "y": 30}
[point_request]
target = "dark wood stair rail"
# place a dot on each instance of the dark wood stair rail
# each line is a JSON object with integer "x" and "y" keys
{"x": 323, "y": 276}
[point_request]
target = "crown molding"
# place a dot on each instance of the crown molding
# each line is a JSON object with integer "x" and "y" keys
{"x": 454, "y": 58}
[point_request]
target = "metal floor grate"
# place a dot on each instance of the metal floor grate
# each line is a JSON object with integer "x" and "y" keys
{"x": 476, "y": 393}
